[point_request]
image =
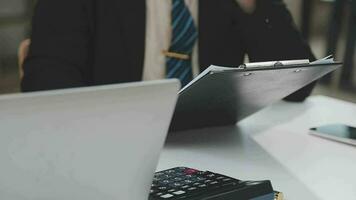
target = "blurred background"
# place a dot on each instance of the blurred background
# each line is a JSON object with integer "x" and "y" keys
{"x": 328, "y": 25}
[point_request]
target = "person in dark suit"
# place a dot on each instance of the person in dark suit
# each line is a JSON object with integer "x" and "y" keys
{"x": 79, "y": 43}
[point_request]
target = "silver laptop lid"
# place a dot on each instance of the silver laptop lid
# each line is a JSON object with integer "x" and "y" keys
{"x": 84, "y": 144}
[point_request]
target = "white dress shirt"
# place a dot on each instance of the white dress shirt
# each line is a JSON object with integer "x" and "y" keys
{"x": 158, "y": 37}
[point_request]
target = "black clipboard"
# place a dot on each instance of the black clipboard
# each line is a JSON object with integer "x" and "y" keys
{"x": 225, "y": 96}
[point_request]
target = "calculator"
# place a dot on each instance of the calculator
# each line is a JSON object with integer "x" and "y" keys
{"x": 185, "y": 183}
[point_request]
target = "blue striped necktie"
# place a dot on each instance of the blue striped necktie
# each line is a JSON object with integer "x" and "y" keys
{"x": 184, "y": 36}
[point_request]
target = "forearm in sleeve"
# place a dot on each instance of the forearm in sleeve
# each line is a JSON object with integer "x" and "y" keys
{"x": 58, "y": 53}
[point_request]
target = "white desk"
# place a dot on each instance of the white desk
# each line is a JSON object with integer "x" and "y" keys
{"x": 274, "y": 144}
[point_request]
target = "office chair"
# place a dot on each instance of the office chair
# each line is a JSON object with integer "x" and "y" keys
{"x": 22, "y": 54}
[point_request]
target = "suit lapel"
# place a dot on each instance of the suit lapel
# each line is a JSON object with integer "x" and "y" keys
{"x": 133, "y": 22}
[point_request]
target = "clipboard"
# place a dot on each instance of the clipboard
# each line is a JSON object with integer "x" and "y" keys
{"x": 222, "y": 96}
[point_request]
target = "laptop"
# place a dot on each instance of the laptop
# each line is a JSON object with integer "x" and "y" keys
{"x": 84, "y": 144}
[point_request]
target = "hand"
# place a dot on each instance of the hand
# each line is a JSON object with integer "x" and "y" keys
{"x": 248, "y": 6}
{"x": 22, "y": 54}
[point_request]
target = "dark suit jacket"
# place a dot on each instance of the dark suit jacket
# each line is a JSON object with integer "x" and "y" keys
{"x": 92, "y": 42}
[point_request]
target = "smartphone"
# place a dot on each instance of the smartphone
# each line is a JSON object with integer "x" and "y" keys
{"x": 337, "y": 132}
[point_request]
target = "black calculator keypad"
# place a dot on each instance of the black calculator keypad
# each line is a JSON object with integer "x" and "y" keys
{"x": 187, "y": 183}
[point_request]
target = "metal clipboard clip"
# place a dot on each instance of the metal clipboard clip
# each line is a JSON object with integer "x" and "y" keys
{"x": 274, "y": 64}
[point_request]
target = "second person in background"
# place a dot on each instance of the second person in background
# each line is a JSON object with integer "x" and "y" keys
{"x": 77, "y": 43}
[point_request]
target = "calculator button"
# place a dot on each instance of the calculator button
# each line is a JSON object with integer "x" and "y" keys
{"x": 185, "y": 186}
{"x": 166, "y": 176}
{"x": 166, "y": 196}
{"x": 159, "y": 194}
{"x": 213, "y": 183}
{"x": 227, "y": 179}
{"x": 188, "y": 181}
{"x": 171, "y": 190}
{"x": 190, "y": 171}
{"x": 159, "y": 174}
{"x": 201, "y": 179}
{"x": 180, "y": 192}
{"x": 202, "y": 185}
{"x": 192, "y": 188}
{"x": 203, "y": 173}
{"x": 176, "y": 184}
{"x": 194, "y": 179}
{"x": 177, "y": 174}
{"x": 162, "y": 188}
